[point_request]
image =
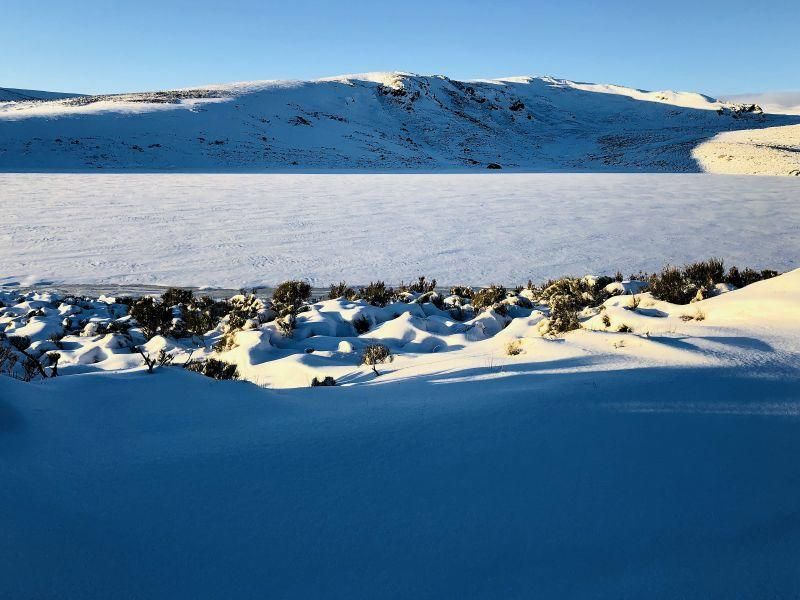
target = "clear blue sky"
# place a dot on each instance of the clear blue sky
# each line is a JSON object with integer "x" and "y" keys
{"x": 711, "y": 46}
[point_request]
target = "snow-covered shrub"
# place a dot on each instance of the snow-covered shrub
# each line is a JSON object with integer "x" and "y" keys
{"x": 606, "y": 320}
{"x": 376, "y": 354}
{"x": 488, "y": 297}
{"x": 286, "y": 324}
{"x": 292, "y": 293}
{"x": 152, "y": 317}
{"x": 376, "y": 293}
{"x": 563, "y": 314}
{"x": 585, "y": 291}
{"x": 432, "y": 297}
{"x": 623, "y": 328}
{"x": 202, "y": 315}
{"x": 242, "y": 309}
{"x": 462, "y": 291}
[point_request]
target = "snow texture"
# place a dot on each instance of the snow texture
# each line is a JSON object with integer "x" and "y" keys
{"x": 244, "y": 230}
{"x": 658, "y": 463}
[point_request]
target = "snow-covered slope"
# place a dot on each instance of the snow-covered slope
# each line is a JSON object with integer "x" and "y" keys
{"x": 770, "y": 151}
{"x": 372, "y": 121}
{"x": 16, "y": 95}
{"x": 658, "y": 463}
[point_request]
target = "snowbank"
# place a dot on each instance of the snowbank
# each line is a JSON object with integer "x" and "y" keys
{"x": 648, "y": 464}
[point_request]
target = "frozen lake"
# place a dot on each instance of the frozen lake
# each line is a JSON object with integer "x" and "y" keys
{"x": 233, "y": 230}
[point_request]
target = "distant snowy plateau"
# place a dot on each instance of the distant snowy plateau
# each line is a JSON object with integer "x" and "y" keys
{"x": 397, "y": 121}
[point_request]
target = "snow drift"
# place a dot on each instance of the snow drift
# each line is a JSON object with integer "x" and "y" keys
{"x": 658, "y": 464}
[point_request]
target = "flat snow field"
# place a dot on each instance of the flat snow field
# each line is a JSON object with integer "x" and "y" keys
{"x": 236, "y": 230}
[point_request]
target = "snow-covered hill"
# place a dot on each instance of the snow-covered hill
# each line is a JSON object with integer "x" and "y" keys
{"x": 16, "y": 95}
{"x": 373, "y": 121}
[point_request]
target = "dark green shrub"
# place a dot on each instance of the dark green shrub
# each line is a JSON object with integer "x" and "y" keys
{"x": 341, "y": 290}
{"x": 361, "y": 324}
{"x": 563, "y": 314}
{"x": 461, "y": 291}
{"x": 705, "y": 274}
{"x": 20, "y": 342}
{"x": 376, "y": 293}
{"x": 421, "y": 286}
{"x": 671, "y": 286}
{"x": 176, "y": 296}
{"x": 292, "y": 293}
{"x": 488, "y": 297}
{"x": 216, "y": 369}
{"x": 328, "y": 381}
{"x": 743, "y": 278}
{"x": 153, "y": 317}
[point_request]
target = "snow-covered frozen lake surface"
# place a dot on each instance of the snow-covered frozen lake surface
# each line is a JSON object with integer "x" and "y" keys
{"x": 238, "y": 230}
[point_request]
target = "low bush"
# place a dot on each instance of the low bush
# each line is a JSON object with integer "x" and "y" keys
{"x": 462, "y": 291}
{"x": 376, "y": 354}
{"x": 151, "y": 316}
{"x": 341, "y": 290}
{"x": 292, "y": 293}
{"x": 20, "y": 342}
{"x": 514, "y": 348}
{"x": 377, "y": 294}
{"x": 213, "y": 368}
{"x": 704, "y": 274}
{"x": 326, "y": 382}
{"x": 563, "y": 314}
{"x": 286, "y": 325}
{"x": 432, "y": 297}
{"x": 176, "y": 296}
{"x": 488, "y": 297}
{"x": 585, "y": 291}
{"x": 421, "y": 286}
{"x": 740, "y": 279}
{"x": 671, "y": 286}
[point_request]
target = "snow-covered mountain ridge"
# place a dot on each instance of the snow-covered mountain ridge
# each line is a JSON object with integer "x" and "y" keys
{"x": 374, "y": 121}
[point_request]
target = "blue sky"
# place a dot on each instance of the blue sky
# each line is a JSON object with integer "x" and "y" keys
{"x": 717, "y": 47}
